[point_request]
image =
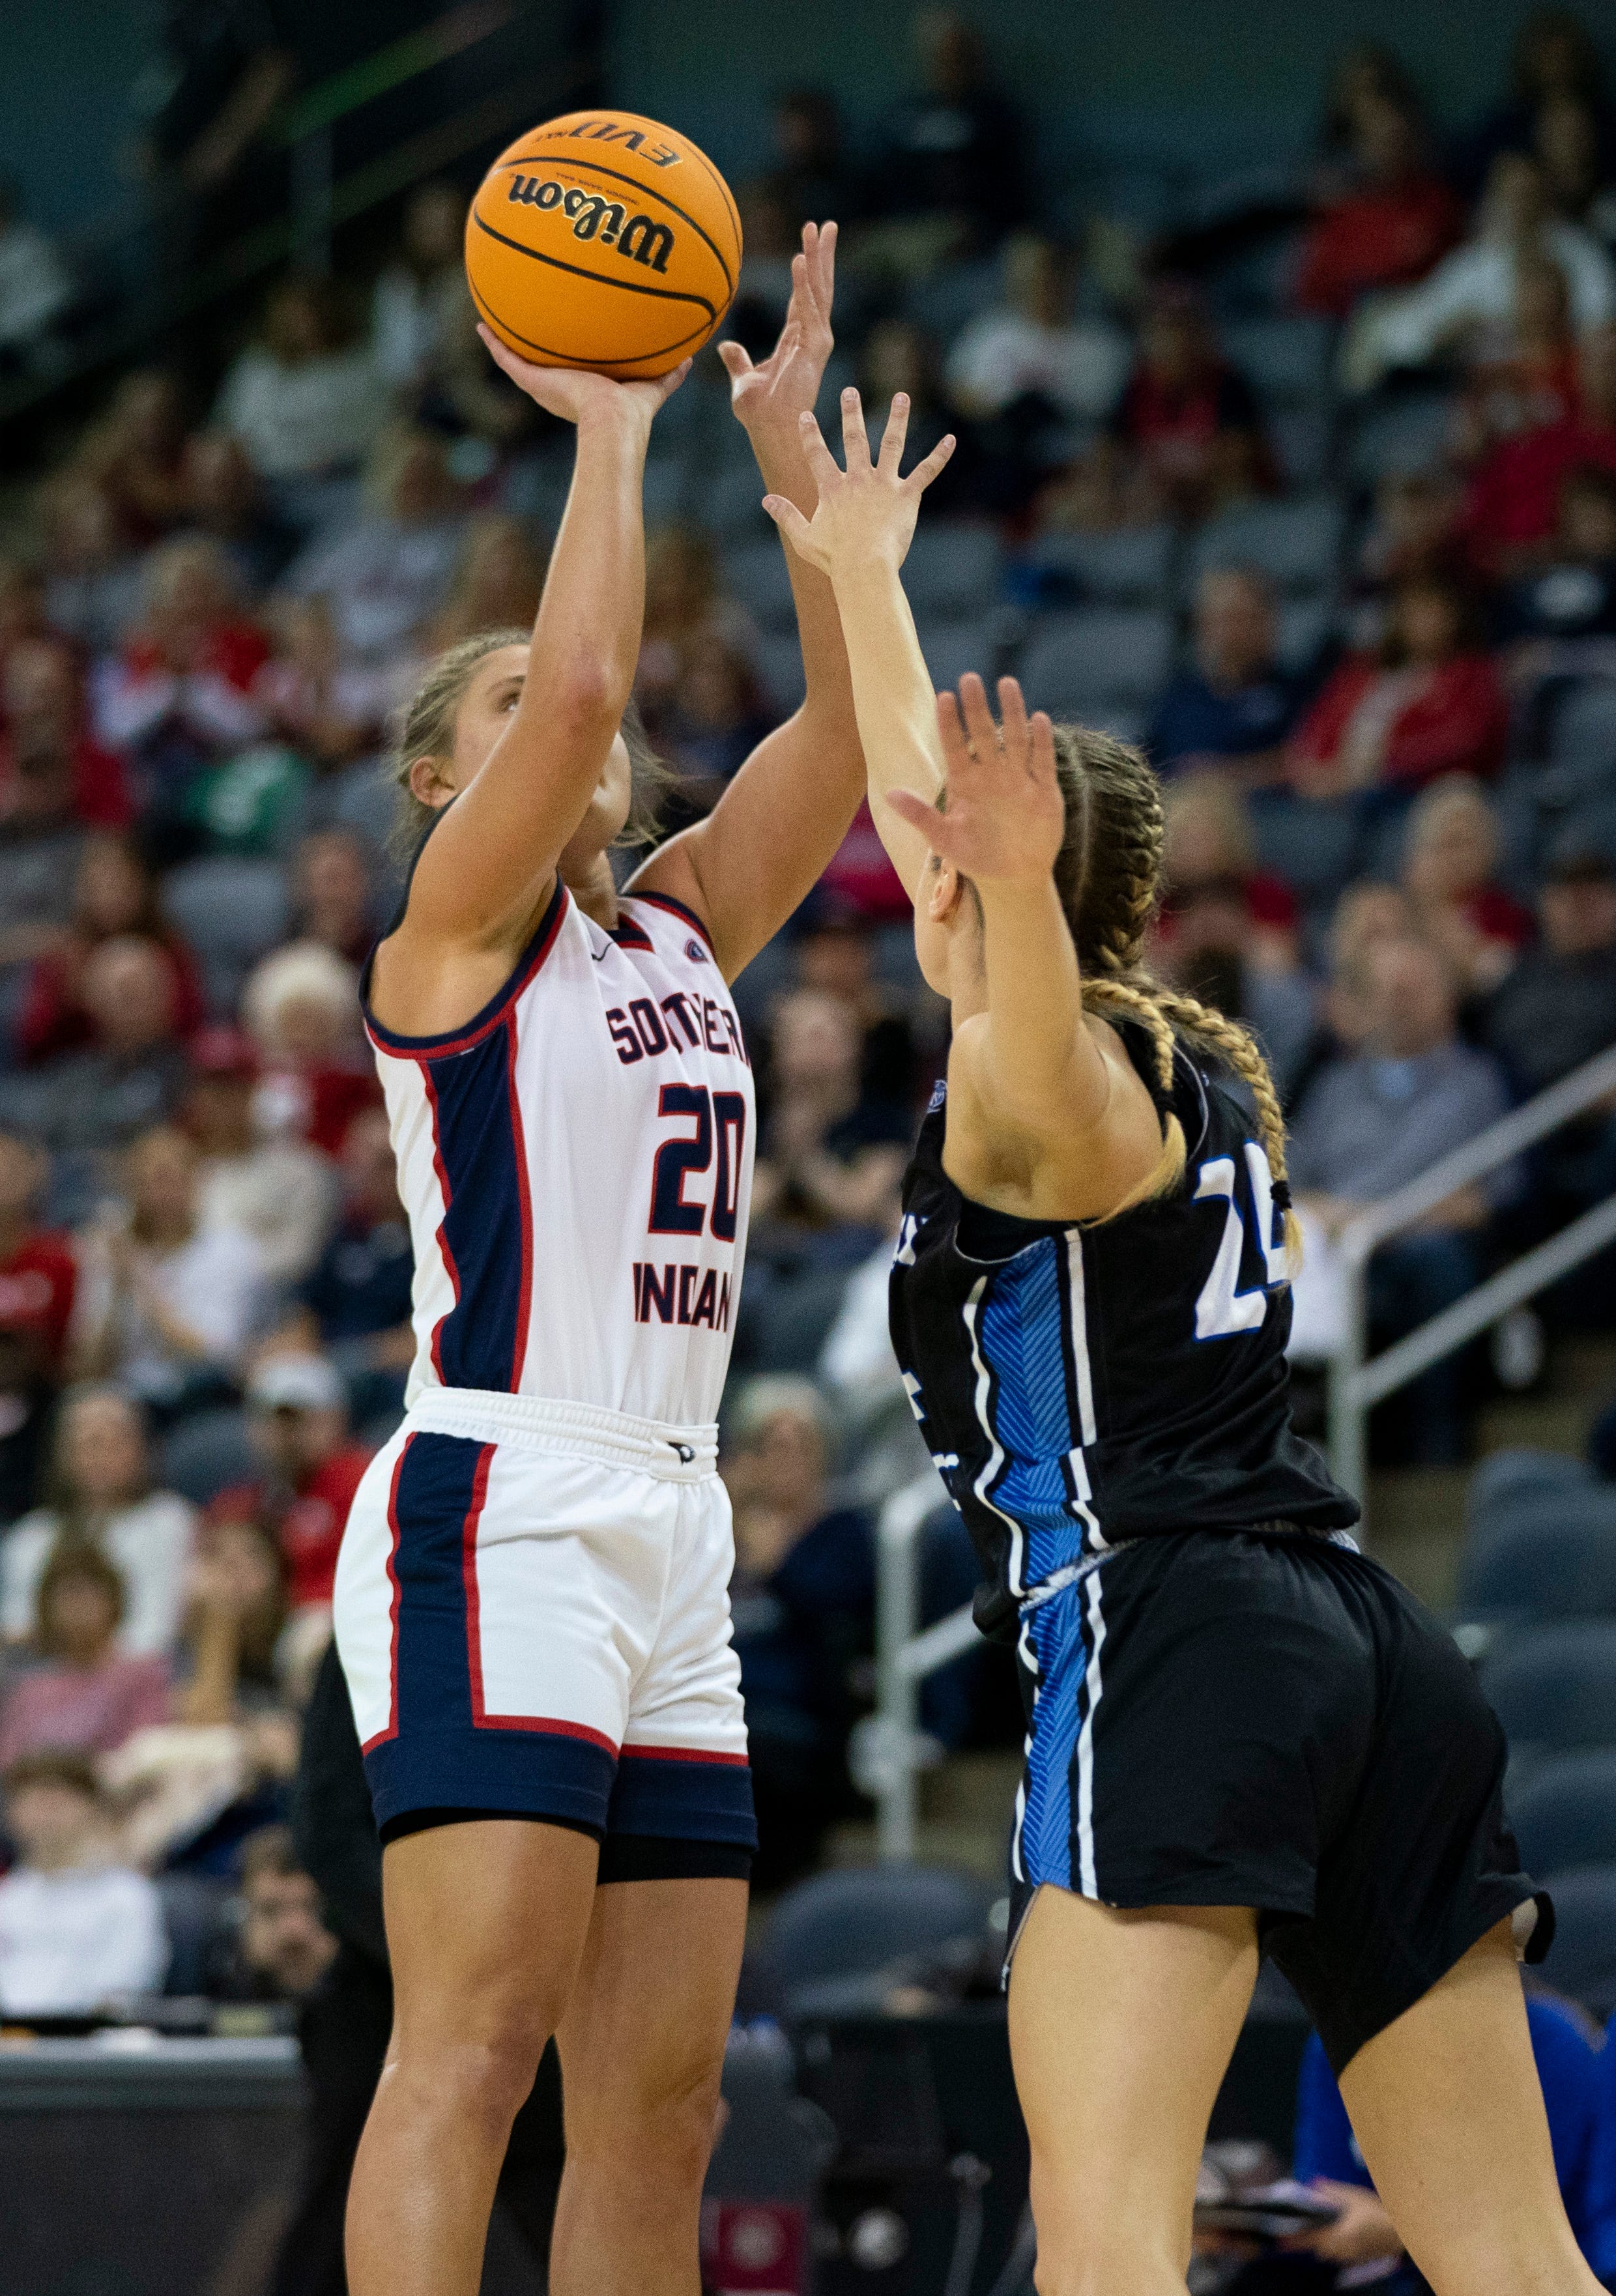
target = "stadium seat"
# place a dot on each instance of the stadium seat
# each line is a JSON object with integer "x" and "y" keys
{"x": 1504, "y": 1479}
{"x": 1080, "y": 662}
{"x": 365, "y": 798}
{"x": 1583, "y": 729}
{"x": 1132, "y": 567}
{"x": 666, "y": 488}
{"x": 1582, "y": 1960}
{"x": 1301, "y": 437}
{"x": 195, "y": 1912}
{"x": 1286, "y": 361}
{"x": 1541, "y": 1567}
{"x": 1306, "y": 626}
{"x": 952, "y": 648}
{"x": 731, "y": 500}
{"x": 945, "y": 302}
{"x": 1401, "y": 435}
{"x": 232, "y": 912}
{"x": 1566, "y": 1813}
{"x": 755, "y": 573}
{"x": 1587, "y": 1508}
{"x": 1296, "y": 545}
{"x": 953, "y": 572}
{"x": 779, "y": 662}
{"x": 205, "y": 1455}
{"x": 1554, "y": 1687}
{"x": 854, "y": 1921}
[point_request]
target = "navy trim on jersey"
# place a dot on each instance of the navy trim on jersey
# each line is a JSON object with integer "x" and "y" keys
{"x": 486, "y": 1231}
{"x": 462, "y": 1039}
{"x": 683, "y": 1792}
{"x": 440, "y": 1750}
{"x": 679, "y": 908}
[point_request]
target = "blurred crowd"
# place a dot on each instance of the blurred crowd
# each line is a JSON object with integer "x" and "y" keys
{"x": 1309, "y": 483}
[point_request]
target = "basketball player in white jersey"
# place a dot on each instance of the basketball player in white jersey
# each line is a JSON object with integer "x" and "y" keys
{"x": 531, "y": 1603}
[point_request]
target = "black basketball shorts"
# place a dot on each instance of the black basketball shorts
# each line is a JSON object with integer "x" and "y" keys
{"x": 1271, "y": 1720}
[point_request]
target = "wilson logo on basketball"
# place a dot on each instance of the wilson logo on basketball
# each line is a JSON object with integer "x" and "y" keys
{"x": 639, "y": 239}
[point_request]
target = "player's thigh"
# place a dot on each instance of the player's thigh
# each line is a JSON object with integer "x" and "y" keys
{"x": 1121, "y": 2027}
{"x": 642, "y": 2042}
{"x": 1448, "y": 2110}
{"x": 487, "y": 1920}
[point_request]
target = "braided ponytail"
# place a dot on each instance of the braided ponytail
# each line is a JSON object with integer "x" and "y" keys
{"x": 1108, "y": 874}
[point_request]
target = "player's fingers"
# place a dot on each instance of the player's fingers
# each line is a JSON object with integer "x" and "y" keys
{"x": 669, "y": 383}
{"x": 1012, "y": 715}
{"x": 914, "y": 809}
{"x": 952, "y": 731}
{"x": 822, "y": 463}
{"x": 790, "y": 521}
{"x": 824, "y": 267}
{"x": 923, "y": 474}
{"x": 736, "y": 357}
{"x": 980, "y": 731}
{"x": 892, "y": 438}
{"x": 855, "y": 437}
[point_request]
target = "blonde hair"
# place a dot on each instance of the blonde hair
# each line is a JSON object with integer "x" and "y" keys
{"x": 1108, "y": 874}
{"x": 305, "y": 971}
{"x": 428, "y": 731}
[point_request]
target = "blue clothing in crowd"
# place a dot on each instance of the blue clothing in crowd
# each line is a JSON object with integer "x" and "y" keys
{"x": 1576, "y": 2078}
{"x": 1195, "y": 719}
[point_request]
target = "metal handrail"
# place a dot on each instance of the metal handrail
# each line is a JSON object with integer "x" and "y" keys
{"x": 1357, "y": 1381}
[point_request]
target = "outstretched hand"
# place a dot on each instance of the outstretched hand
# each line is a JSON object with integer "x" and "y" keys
{"x": 1005, "y": 819}
{"x": 572, "y": 391}
{"x": 868, "y": 511}
{"x": 786, "y": 383}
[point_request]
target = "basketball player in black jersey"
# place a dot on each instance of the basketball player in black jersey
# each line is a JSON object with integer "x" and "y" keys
{"x": 1243, "y": 1734}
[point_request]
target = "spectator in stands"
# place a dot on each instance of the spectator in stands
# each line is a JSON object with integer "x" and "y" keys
{"x": 719, "y": 713}
{"x": 1577, "y": 166}
{"x": 1573, "y": 595}
{"x": 136, "y": 454}
{"x": 951, "y": 178}
{"x": 1474, "y": 288}
{"x": 995, "y": 464}
{"x": 93, "y": 578}
{"x": 330, "y": 889}
{"x": 1187, "y": 418}
{"x": 304, "y": 400}
{"x": 23, "y": 620}
{"x": 812, "y": 178}
{"x": 418, "y": 294}
{"x": 1526, "y": 378}
{"x": 101, "y": 1495}
{"x": 1235, "y": 706}
{"x": 496, "y": 582}
{"x": 278, "y": 1190}
{"x": 301, "y": 1008}
{"x": 1365, "y": 74}
{"x": 1514, "y": 504}
{"x": 299, "y": 1418}
{"x": 685, "y": 604}
{"x": 1555, "y": 57}
{"x": 132, "y": 1075}
{"x": 279, "y": 1948}
{"x": 87, "y": 1695}
{"x": 35, "y": 289}
{"x": 221, "y": 498}
{"x": 330, "y": 711}
{"x": 1450, "y": 859}
{"x": 76, "y": 1928}
{"x": 235, "y": 1618}
{"x": 388, "y": 572}
{"x": 1032, "y": 344}
{"x": 179, "y": 695}
{"x": 222, "y": 72}
{"x": 38, "y": 1283}
{"x": 835, "y": 956}
{"x": 1557, "y": 1007}
{"x": 357, "y": 1294}
{"x": 171, "y": 1302}
{"x": 40, "y": 843}
{"x": 46, "y": 741}
{"x": 1375, "y": 1119}
{"x": 831, "y": 1156}
{"x": 1430, "y": 703}
{"x": 804, "y": 1603}
{"x": 1413, "y": 532}
{"x": 116, "y": 895}
{"x": 1390, "y": 225}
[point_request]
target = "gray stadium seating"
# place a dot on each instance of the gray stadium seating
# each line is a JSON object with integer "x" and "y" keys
{"x": 1399, "y": 434}
{"x": 860, "y": 1920}
{"x": 1582, "y": 1960}
{"x": 1504, "y": 1479}
{"x": 1566, "y": 1813}
{"x": 952, "y": 571}
{"x": 1583, "y": 729}
{"x": 1296, "y": 544}
{"x": 1554, "y": 1687}
{"x": 1542, "y": 1566}
{"x": 1286, "y": 360}
{"x": 779, "y": 660}
{"x": 952, "y": 648}
{"x": 755, "y": 575}
{"x": 1131, "y": 567}
{"x": 1103, "y": 655}
{"x": 206, "y": 1454}
{"x": 232, "y": 912}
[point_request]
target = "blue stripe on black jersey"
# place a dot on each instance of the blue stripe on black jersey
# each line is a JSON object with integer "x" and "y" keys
{"x": 486, "y": 1225}
{"x": 1022, "y": 1332}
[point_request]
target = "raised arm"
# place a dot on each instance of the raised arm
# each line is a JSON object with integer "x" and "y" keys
{"x": 858, "y": 535}
{"x": 492, "y": 860}
{"x": 770, "y": 836}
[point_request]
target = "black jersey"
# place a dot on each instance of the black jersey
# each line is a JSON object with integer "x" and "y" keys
{"x": 1081, "y": 1385}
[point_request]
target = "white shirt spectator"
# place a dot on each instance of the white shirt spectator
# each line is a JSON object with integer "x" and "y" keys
{"x": 283, "y": 1195}
{"x": 34, "y": 288}
{"x": 215, "y": 1282}
{"x": 298, "y": 421}
{"x": 1080, "y": 367}
{"x": 150, "y": 1541}
{"x": 410, "y": 318}
{"x": 1474, "y": 286}
{"x": 70, "y": 1940}
{"x": 382, "y": 577}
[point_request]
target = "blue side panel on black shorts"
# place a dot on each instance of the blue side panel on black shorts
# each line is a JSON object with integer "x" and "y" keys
{"x": 438, "y": 1755}
{"x": 1024, "y": 1345}
{"x": 1043, "y": 1843}
{"x": 685, "y": 1800}
{"x": 480, "y": 1340}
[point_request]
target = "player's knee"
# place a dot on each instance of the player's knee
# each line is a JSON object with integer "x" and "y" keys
{"x": 662, "y": 2116}
{"x": 480, "y": 2073}
{"x": 1090, "y": 2253}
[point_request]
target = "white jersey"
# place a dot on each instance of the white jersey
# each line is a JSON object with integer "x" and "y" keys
{"x": 575, "y": 1163}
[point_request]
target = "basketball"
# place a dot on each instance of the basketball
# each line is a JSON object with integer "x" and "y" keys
{"x": 605, "y": 241}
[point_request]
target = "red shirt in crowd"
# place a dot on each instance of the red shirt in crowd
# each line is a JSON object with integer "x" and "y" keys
{"x": 861, "y": 877}
{"x": 310, "y": 1524}
{"x": 1455, "y": 719}
{"x": 100, "y": 785}
{"x": 1388, "y": 237}
{"x": 1514, "y": 497}
{"x": 50, "y": 1020}
{"x": 37, "y": 1286}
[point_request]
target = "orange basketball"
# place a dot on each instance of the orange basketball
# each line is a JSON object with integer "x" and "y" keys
{"x": 603, "y": 240}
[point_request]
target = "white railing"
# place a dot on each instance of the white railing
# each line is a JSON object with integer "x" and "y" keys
{"x": 890, "y": 1749}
